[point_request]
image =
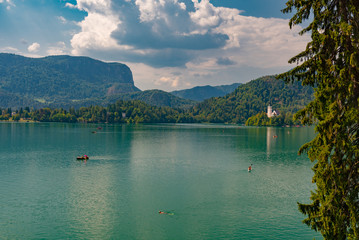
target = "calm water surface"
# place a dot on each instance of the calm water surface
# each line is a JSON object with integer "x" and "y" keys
{"x": 197, "y": 172}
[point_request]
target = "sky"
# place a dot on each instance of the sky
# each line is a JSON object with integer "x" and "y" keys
{"x": 168, "y": 44}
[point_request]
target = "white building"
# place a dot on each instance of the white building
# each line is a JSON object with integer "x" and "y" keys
{"x": 270, "y": 112}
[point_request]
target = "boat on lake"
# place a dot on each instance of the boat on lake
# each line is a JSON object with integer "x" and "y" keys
{"x": 85, "y": 157}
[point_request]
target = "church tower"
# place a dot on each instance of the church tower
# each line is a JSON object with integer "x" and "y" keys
{"x": 269, "y": 111}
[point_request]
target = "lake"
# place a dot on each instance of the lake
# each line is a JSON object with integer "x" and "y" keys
{"x": 195, "y": 173}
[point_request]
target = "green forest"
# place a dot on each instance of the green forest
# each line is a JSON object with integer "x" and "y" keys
{"x": 128, "y": 112}
{"x": 40, "y": 82}
{"x": 246, "y": 105}
{"x": 253, "y": 98}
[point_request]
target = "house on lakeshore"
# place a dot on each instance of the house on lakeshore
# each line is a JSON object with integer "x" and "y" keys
{"x": 270, "y": 112}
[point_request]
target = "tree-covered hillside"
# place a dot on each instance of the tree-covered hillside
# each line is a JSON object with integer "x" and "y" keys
{"x": 61, "y": 78}
{"x": 246, "y": 101}
{"x": 252, "y": 98}
{"x": 152, "y": 97}
{"x": 201, "y": 93}
{"x": 155, "y": 98}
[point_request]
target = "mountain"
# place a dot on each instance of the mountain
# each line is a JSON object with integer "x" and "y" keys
{"x": 155, "y": 97}
{"x": 201, "y": 93}
{"x": 54, "y": 79}
{"x": 252, "y": 98}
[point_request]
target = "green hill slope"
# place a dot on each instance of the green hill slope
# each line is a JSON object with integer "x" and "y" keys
{"x": 201, "y": 93}
{"x": 60, "y": 79}
{"x": 156, "y": 98}
{"x": 251, "y": 98}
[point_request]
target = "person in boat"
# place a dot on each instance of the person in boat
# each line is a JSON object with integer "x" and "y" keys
{"x": 160, "y": 212}
{"x": 250, "y": 168}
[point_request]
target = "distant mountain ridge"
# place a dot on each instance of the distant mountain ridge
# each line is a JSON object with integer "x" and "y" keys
{"x": 157, "y": 98}
{"x": 201, "y": 93}
{"x": 65, "y": 81}
{"x": 68, "y": 81}
{"x": 154, "y": 97}
{"x": 40, "y": 81}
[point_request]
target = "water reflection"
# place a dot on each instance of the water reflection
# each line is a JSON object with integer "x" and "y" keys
{"x": 271, "y": 138}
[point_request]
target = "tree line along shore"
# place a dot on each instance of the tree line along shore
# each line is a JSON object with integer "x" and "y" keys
{"x": 137, "y": 112}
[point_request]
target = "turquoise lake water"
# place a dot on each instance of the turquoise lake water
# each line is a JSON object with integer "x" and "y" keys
{"x": 196, "y": 172}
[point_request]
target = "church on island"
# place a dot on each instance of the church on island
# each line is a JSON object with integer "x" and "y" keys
{"x": 270, "y": 112}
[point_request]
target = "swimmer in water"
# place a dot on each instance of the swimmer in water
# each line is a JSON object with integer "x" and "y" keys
{"x": 168, "y": 213}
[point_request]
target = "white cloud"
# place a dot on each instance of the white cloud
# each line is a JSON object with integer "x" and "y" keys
{"x": 9, "y": 4}
{"x": 9, "y": 50}
{"x": 70, "y": 5}
{"x": 209, "y": 16}
{"x": 62, "y": 19}
{"x": 171, "y": 81}
{"x": 34, "y": 47}
{"x": 154, "y": 31}
{"x": 96, "y": 28}
{"x": 202, "y": 39}
{"x": 146, "y": 77}
{"x": 58, "y": 49}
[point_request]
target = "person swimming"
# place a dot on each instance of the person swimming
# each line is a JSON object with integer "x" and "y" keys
{"x": 168, "y": 213}
{"x": 250, "y": 168}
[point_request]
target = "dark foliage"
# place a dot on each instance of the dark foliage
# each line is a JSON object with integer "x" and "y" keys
{"x": 330, "y": 63}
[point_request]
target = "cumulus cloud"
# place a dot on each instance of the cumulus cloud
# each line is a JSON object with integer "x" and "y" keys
{"x": 34, "y": 47}
{"x": 175, "y": 33}
{"x": 96, "y": 28}
{"x": 159, "y": 33}
{"x": 173, "y": 82}
{"x": 205, "y": 41}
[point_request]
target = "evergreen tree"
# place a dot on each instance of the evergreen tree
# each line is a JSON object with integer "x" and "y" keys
{"x": 330, "y": 63}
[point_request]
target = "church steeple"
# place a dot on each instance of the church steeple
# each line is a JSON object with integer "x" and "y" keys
{"x": 269, "y": 111}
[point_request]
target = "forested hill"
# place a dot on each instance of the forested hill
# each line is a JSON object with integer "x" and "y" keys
{"x": 28, "y": 81}
{"x": 252, "y": 98}
{"x": 157, "y": 98}
{"x": 154, "y": 97}
{"x": 201, "y": 93}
